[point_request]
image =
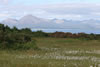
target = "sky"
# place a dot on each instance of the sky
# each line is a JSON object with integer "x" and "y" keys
{"x": 49, "y": 9}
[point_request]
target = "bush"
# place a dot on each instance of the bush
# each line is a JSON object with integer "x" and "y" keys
{"x": 26, "y": 46}
{"x": 40, "y": 34}
{"x": 15, "y": 38}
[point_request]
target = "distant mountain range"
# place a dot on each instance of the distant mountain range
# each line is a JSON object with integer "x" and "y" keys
{"x": 32, "y": 22}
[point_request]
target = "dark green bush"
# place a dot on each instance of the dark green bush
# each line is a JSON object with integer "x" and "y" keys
{"x": 15, "y": 38}
{"x": 26, "y": 46}
{"x": 40, "y": 34}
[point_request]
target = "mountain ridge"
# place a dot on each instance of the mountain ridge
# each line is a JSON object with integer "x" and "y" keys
{"x": 31, "y": 21}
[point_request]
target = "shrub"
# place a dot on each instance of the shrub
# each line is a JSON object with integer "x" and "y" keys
{"x": 15, "y": 38}
{"x": 26, "y": 46}
{"x": 40, "y": 34}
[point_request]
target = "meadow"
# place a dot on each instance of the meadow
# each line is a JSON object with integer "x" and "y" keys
{"x": 55, "y": 52}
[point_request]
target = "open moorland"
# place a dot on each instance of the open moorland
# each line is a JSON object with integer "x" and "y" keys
{"x": 55, "y": 52}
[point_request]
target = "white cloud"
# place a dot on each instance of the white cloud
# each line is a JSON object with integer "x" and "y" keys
{"x": 78, "y": 11}
{"x": 74, "y": 11}
{"x": 4, "y": 16}
{"x": 4, "y": 2}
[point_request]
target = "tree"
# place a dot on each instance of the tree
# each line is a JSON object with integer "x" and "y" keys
{"x": 15, "y": 38}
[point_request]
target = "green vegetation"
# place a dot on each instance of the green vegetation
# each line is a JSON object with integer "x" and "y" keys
{"x": 40, "y": 34}
{"x": 83, "y": 36}
{"x": 15, "y": 38}
{"x": 18, "y": 48}
{"x": 55, "y": 52}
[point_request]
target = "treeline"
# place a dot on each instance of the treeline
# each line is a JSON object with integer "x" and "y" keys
{"x": 67, "y": 35}
{"x": 75, "y": 35}
{"x": 13, "y": 38}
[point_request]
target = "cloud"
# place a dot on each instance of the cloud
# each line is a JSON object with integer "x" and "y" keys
{"x": 78, "y": 11}
{"x": 4, "y": 2}
{"x": 4, "y": 16}
{"x": 74, "y": 11}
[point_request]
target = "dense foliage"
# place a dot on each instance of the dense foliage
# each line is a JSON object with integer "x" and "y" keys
{"x": 67, "y": 35}
{"x": 13, "y": 38}
{"x": 40, "y": 34}
{"x": 75, "y": 35}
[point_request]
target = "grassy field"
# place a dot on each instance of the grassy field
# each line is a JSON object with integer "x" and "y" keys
{"x": 55, "y": 52}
